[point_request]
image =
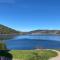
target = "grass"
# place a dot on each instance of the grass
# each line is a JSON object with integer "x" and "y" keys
{"x": 2, "y": 46}
{"x": 33, "y": 54}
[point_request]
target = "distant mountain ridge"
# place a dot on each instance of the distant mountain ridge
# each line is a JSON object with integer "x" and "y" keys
{"x": 7, "y": 30}
{"x": 45, "y": 32}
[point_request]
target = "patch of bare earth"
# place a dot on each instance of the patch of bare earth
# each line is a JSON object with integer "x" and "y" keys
{"x": 57, "y": 57}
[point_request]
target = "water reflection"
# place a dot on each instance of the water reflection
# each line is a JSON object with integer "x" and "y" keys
{"x": 28, "y": 42}
{"x": 3, "y": 38}
{"x": 6, "y": 37}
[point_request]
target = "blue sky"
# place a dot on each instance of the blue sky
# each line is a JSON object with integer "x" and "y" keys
{"x": 26, "y": 15}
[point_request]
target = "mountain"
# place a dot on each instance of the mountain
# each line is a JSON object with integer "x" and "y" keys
{"x": 45, "y": 32}
{"x": 7, "y": 30}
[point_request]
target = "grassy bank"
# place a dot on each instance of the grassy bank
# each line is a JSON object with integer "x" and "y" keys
{"x": 33, "y": 54}
{"x": 2, "y": 46}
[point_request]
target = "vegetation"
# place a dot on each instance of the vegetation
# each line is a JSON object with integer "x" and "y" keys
{"x": 2, "y": 46}
{"x": 33, "y": 54}
{"x": 51, "y": 32}
{"x": 7, "y": 30}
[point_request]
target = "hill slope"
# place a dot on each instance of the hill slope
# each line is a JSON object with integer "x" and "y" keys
{"x": 45, "y": 32}
{"x": 7, "y": 30}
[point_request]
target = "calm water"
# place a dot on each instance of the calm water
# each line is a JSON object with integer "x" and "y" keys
{"x": 34, "y": 41}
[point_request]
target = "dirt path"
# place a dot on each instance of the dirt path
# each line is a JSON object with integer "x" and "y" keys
{"x": 17, "y": 59}
{"x": 57, "y": 57}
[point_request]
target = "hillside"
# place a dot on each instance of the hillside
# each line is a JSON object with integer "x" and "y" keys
{"x": 7, "y": 30}
{"x": 45, "y": 32}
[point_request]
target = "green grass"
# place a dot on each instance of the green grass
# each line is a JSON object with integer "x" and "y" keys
{"x": 2, "y": 46}
{"x": 33, "y": 54}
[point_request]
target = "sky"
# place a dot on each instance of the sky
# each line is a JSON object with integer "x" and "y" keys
{"x": 27, "y": 15}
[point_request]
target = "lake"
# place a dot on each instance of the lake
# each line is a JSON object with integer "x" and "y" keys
{"x": 28, "y": 42}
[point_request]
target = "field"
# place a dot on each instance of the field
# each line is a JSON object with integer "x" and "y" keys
{"x": 32, "y": 54}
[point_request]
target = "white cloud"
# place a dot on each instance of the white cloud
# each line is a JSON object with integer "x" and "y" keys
{"x": 7, "y": 1}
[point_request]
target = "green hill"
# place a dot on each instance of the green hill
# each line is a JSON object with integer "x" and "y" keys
{"x": 7, "y": 30}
